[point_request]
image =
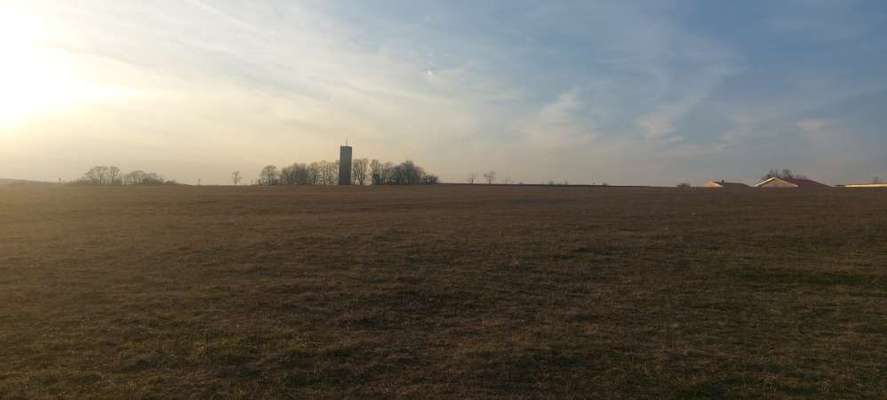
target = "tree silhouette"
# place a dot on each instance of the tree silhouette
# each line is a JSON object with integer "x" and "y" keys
{"x": 490, "y": 177}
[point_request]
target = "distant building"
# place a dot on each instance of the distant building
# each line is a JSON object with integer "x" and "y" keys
{"x": 721, "y": 184}
{"x": 345, "y": 165}
{"x": 866, "y": 185}
{"x": 775, "y": 182}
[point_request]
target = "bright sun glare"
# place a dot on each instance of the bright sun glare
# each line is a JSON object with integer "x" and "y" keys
{"x": 25, "y": 74}
{"x": 36, "y": 79}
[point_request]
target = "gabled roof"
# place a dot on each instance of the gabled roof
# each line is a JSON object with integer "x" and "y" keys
{"x": 804, "y": 182}
{"x": 798, "y": 182}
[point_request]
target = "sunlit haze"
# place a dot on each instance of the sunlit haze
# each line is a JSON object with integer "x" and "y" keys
{"x": 654, "y": 92}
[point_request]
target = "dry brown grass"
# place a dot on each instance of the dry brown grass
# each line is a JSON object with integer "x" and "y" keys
{"x": 442, "y": 292}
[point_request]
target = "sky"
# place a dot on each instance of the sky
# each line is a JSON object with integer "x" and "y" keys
{"x": 623, "y": 92}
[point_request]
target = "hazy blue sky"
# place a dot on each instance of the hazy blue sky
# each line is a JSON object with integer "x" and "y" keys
{"x": 625, "y": 92}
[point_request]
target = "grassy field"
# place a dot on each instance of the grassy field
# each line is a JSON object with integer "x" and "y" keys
{"x": 442, "y": 292}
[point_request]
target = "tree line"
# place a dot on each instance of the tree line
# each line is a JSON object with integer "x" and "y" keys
{"x": 784, "y": 174}
{"x": 112, "y": 175}
{"x": 489, "y": 178}
{"x": 363, "y": 172}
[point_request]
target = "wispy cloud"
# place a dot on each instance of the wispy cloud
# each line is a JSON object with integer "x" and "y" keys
{"x": 615, "y": 91}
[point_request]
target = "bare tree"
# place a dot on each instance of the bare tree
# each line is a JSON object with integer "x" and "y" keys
{"x": 363, "y": 171}
{"x": 114, "y": 176}
{"x": 472, "y": 177}
{"x": 95, "y": 175}
{"x": 236, "y": 178}
{"x": 296, "y": 174}
{"x": 381, "y": 173}
{"x": 314, "y": 173}
{"x": 406, "y": 173}
{"x": 388, "y": 173}
{"x": 104, "y": 175}
{"x": 288, "y": 175}
{"x": 876, "y": 180}
{"x": 375, "y": 172}
{"x": 784, "y": 174}
{"x": 269, "y": 175}
{"x": 136, "y": 177}
{"x": 152, "y": 178}
{"x": 490, "y": 177}
{"x": 359, "y": 170}
{"x": 329, "y": 172}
